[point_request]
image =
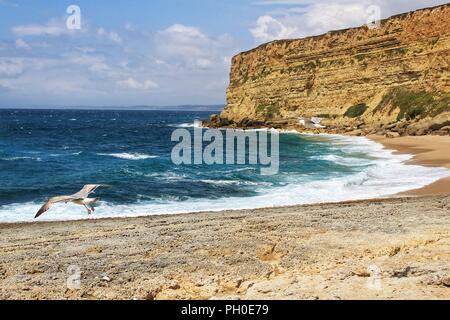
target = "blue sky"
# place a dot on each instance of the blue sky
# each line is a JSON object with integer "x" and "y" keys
{"x": 138, "y": 52}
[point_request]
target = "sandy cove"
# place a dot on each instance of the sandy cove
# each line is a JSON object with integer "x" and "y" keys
{"x": 395, "y": 248}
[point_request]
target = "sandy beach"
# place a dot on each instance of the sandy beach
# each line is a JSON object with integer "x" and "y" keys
{"x": 397, "y": 248}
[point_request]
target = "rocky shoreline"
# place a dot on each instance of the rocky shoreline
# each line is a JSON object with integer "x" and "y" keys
{"x": 373, "y": 249}
{"x": 439, "y": 126}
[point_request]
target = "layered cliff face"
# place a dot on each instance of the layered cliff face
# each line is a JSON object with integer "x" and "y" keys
{"x": 399, "y": 70}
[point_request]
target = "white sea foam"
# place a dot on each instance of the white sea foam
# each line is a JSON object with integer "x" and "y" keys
{"x": 128, "y": 156}
{"x": 235, "y": 182}
{"x": 345, "y": 161}
{"x": 387, "y": 175}
{"x": 185, "y": 125}
{"x": 21, "y": 158}
{"x": 182, "y": 125}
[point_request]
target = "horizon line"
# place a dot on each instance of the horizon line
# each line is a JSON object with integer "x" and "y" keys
{"x": 194, "y": 107}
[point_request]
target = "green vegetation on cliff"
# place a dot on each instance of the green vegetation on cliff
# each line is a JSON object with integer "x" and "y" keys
{"x": 356, "y": 110}
{"x": 268, "y": 111}
{"x": 412, "y": 104}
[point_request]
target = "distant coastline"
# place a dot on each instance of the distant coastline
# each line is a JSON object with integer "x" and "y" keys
{"x": 181, "y": 108}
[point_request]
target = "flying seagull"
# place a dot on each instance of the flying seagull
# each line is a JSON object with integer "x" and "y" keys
{"x": 81, "y": 198}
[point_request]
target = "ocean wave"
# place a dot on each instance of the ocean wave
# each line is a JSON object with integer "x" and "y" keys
{"x": 181, "y": 125}
{"x": 57, "y": 155}
{"x": 184, "y": 125}
{"x": 345, "y": 161}
{"x": 235, "y": 182}
{"x": 388, "y": 174}
{"x": 128, "y": 156}
{"x": 21, "y": 158}
{"x": 381, "y": 180}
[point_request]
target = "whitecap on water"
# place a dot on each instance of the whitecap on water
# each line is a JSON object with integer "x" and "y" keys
{"x": 386, "y": 176}
{"x": 128, "y": 156}
{"x": 21, "y": 158}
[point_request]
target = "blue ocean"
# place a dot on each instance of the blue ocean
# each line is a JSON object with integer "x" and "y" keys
{"x": 44, "y": 153}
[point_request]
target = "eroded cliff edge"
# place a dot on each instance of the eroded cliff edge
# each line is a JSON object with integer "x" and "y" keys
{"x": 356, "y": 79}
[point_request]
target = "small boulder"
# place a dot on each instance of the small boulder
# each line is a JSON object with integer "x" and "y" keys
{"x": 446, "y": 281}
{"x": 444, "y": 131}
{"x": 391, "y": 126}
{"x": 392, "y": 135}
{"x": 356, "y": 133}
{"x": 174, "y": 286}
{"x": 361, "y": 272}
{"x": 224, "y": 122}
{"x": 214, "y": 118}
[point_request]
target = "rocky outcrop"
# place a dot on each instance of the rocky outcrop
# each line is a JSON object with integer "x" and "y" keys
{"x": 322, "y": 251}
{"x": 354, "y": 77}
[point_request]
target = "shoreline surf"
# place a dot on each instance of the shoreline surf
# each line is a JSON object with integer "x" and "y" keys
{"x": 383, "y": 179}
{"x": 431, "y": 151}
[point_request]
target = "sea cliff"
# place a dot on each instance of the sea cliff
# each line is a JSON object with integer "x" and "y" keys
{"x": 391, "y": 79}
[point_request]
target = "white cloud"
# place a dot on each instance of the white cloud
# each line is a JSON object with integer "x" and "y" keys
{"x": 301, "y": 18}
{"x": 132, "y": 83}
{"x": 182, "y": 33}
{"x": 5, "y": 84}
{"x": 112, "y": 36}
{"x": 86, "y": 49}
{"x": 94, "y": 63}
{"x": 54, "y": 27}
{"x": 176, "y": 65}
{"x": 323, "y": 17}
{"x": 11, "y": 66}
{"x": 22, "y": 44}
{"x": 268, "y": 29}
{"x": 182, "y": 43}
{"x": 189, "y": 47}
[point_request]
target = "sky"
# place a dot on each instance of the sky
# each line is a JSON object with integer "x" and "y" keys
{"x": 158, "y": 52}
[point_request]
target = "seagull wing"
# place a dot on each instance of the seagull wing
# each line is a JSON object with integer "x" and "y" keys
{"x": 87, "y": 189}
{"x": 51, "y": 202}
